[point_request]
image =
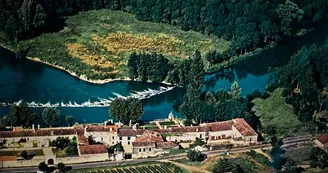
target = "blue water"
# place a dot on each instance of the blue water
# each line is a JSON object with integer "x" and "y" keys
{"x": 24, "y": 80}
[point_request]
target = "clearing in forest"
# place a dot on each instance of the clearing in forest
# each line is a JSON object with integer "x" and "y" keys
{"x": 96, "y": 43}
{"x": 273, "y": 111}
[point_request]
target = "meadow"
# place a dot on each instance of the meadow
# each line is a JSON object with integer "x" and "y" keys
{"x": 274, "y": 112}
{"x": 96, "y": 43}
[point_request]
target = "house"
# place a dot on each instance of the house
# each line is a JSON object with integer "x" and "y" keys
{"x": 187, "y": 133}
{"x": 236, "y": 131}
{"x": 322, "y": 141}
{"x": 96, "y": 152}
{"x": 150, "y": 144}
{"x": 105, "y": 134}
{"x": 127, "y": 136}
{"x": 39, "y": 137}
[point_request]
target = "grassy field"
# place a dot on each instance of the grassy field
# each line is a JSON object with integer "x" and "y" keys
{"x": 97, "y": 43}
{"x": 17, "y": 153}
{"x": 274, "y": 111}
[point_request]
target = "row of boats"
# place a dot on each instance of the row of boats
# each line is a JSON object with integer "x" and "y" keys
{"x": 102, "y": 102}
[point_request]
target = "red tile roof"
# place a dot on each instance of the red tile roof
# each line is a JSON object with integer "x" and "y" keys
{"x": 166, "y": 145}
{"x": 130, "y": 132}
{"x": 93, "y": 149}
{"x": 94, "y": 128}
{"x": 40, "y": 132}
{"x": 147, "y": 139}
{"x": 323, "y": 138}
{"x": 243, "y": 127}
{"x": 221, "y": 126}
{"x": 186, "y": 129}
{"x": 148, "y": 136}
{"x": 82, "y": 140}
{"x": 8, "y": 158}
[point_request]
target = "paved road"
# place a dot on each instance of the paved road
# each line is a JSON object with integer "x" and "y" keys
{"x": 287, "y": 143}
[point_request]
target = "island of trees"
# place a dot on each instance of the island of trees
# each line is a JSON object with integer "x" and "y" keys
{"x": 246, "y": 24}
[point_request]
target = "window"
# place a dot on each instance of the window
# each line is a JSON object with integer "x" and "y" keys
{"x": 149, "y": 149}
{"x": 102, "y": 138}
{"x": 139, "y": 149}
{"x": 113, "y": 137}
{"x": 120, "y": 138}
{"x": 128, "y": 143}
{"x": 144, "y": 149}
{"x": 129, "y": 138}
{"x": 27, "y": 139}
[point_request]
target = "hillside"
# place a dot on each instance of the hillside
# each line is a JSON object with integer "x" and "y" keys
{"x": 96, "y": 43}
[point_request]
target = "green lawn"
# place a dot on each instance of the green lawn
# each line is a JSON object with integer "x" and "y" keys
{"x": 96, "y": 43}
{"x": 274, "y": 111}
{"x": 17, "y": 153}
{"x": 59, "y": 152}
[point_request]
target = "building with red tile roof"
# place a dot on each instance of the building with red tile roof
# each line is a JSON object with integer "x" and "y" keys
{"x": 95, "y": 149}
{"x": 322, "y": 141}
{"x": 150, "y": 144}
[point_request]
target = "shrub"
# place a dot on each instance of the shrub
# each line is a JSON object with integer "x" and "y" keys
{"x": 24, "y": 155}
{"x": 61, "y": 167}
{"x": 43, "y": 167}
{"x": 265, "y": 95}
{"x": 194, "y": 155}
{"x": 284, "y": 93}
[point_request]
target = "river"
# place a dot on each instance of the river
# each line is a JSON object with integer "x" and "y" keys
{"x": 42, "y": 85}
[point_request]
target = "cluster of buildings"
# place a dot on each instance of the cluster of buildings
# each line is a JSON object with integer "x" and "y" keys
{"x": 137, "y": 143}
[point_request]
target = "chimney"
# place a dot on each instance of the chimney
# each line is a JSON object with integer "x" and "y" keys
{"x": 105, "y": 123}
{"x": 38, "y": 126}
{"x": 33, "y": 127}
{"x": 51, "y": 133}
{"x": 197, "y": 130}
{"x": 165, "y": 127}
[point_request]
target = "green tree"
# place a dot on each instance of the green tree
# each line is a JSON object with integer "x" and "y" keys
{"x": 235, "y": 90}
{"x": 194, "y": 155}
{"x": 61, "y": 166}
{"x": 24, "y": 154}
{"x": 135, "y": 111}
{"x": 60, "y": 142}
{"x": 132, "y": 64}
{"x": 289, "y": 14}
{"x": 118, "y": 109}
{"x": 127, "y": 109}
{"x": 318, "y": 158}
{"x": 222, "y": 165}
{"x": 197, "y": 71}
{"x": 69, "y": 120}
{"x": 51, "y": 116}
{"x": 43, "y": 166}
{"x": 22, "y": 115}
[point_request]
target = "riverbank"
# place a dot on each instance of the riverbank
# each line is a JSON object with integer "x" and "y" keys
{"x": 81, "y": 77}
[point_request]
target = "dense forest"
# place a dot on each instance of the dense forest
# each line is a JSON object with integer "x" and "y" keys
{"x": 248, "y": 23}
{"x": 305, "y": 80}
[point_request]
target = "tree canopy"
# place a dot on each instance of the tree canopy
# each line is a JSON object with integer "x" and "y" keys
{"x": 22, "y": 115}
{"x": 126, "y": 109}
{"x": 51, "y": 116}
